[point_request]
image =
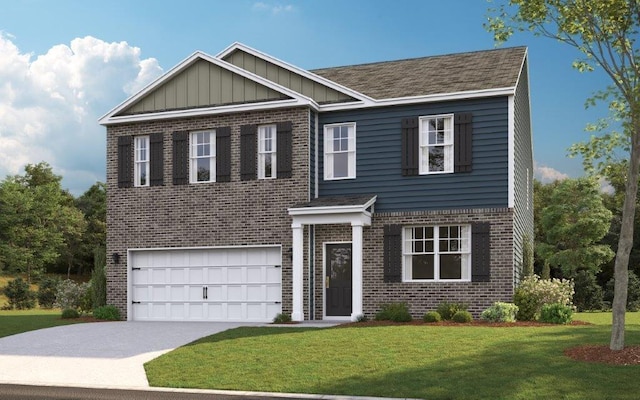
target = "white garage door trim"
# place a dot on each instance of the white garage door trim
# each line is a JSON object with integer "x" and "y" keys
{"x": 231, "y": 283}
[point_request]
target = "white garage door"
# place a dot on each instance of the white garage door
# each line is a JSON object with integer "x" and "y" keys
{"x": 230, "y": 284}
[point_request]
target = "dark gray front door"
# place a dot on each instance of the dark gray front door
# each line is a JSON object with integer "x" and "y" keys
{"x": 338, "y": 279}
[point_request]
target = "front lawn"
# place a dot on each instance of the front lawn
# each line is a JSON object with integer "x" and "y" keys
{"x": 18, "y": 321}
{"x": 416, "y": 361}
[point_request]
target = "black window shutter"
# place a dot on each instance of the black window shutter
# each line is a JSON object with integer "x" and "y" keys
{"x": 393, "y": 253}
{"x": 480, "y": 252}
{"x": 462, "y": 142}
{"x": 125, "y": 162}
{"x": 248, "y": 152}
{"x": 410, "y": 146}
{"x": 283, "y": 143}
{"x": 156, "y": 159}
{"x": 180, "y": 158}
{"x": 223, "y": 154}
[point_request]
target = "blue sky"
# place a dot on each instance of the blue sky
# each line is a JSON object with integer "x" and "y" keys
{"x": 64, "y": 63}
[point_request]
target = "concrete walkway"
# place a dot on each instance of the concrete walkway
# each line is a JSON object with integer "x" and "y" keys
{"x": 102, "y": 354}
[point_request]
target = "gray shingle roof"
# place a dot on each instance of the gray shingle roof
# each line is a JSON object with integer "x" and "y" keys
{"x": 480, "y": 70}
{"x": 337, "y": 201}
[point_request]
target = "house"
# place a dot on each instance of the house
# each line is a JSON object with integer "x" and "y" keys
{"x": 241, "y": 186}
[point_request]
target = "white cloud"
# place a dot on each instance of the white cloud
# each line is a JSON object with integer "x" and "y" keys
{"x": 547, "y": 174}
{"x": 273, "y": 9}
{"x": 49, "y": 105}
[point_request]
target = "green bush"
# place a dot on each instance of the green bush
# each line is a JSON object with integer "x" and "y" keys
{"x": 98, "y": 287}
{"x": 500, "y": 312}
{"x": 589, "y": 295}
{"x": 397, "y": 312}
{"x": 633, "y": 292}
{"x": 556, "y": 313}
{"x": 109, "y": 313}
{"x": 47, "y": 292}
{"x": 73, "y": 295}
{"x": 69, "y": 313}
{"x": 462, "y": 317}
{"x": 534, "y": 292}
{"x": 432, "y": 316}
{"x": 447, "y": 310}
{"x": 19, "y": 295}
{"x": 282, "y": 318}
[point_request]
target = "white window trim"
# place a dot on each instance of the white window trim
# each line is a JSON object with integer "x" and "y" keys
{"x": 436, "y": 252}
{"x": 212, "y": 157}
{"x": 328, "y": 153}
{"x": 262, "y": 153}
{"x": 140, "y": 164}
{"x": 448, "y": 147}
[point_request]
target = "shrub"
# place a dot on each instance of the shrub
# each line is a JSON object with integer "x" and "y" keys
{"x": 362, "y": 318}
{"x": 72, "y": 295}
{"x": 589, "y": 295}
{"x": 47, "y": 292}
{"x": 534, "y": 292}
{"x": 282, "y": 318}
{"x": 462, "y": 317}
{"x": 556, "y": 313}
{"x": 500, "y": 312}
{"x": 69, "y": 313}
{"x": 633, "y": 292}
{"x": 397, "y": 312}
{"x": 19, "y": 295}
{"x": 432, "y": 316}
{"x": 110, "y": 313}
{"x": 447, "y": 310}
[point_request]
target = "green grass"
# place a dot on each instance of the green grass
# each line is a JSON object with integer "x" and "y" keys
{"x": 18, "y": 321}
{"x": 604, "y": 318}
{"x": 434, "y": 362}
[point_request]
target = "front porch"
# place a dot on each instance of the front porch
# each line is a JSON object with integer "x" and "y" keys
{"x": 355, "y": 211}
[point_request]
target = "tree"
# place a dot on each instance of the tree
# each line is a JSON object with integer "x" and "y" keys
{"x": 574, "y": 222}
{"x": 605, "y": 32}
{"x": 36, "y": 217}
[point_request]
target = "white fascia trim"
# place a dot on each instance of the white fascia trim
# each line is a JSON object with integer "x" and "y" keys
{"x": 511, "y": 153}
{"x": 422, "y": 99}
{"x": 197, "y": 112}
{"x": 333, "y": 209}
{"x": 133, "y": 250}
{"x": 299, "y": 71}
{"x": 303, "y": 100}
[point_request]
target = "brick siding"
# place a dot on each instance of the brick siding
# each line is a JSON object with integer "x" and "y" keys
{"x": 205, "y": 214}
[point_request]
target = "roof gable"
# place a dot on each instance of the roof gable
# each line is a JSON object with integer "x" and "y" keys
{"x": 202, "y": 84}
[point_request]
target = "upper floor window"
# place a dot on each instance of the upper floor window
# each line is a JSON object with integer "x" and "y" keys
{"x": 436, "y": 144}
{"x": 340, "y": 151}
{"x": 141, "y": 161}
{"x": 267, "y": 152}
{"x": 437, "y": 253}
{"x": 203, "y": 157}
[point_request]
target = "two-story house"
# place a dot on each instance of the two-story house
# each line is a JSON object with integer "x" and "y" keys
{"x": 241, "y": 186}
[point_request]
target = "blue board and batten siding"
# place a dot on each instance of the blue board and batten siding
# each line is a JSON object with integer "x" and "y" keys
{"x": 378, "y": 159}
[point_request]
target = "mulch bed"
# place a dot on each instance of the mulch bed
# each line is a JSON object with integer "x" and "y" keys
{"x": 630, "y": 355}
{"x": 451, "y": 323}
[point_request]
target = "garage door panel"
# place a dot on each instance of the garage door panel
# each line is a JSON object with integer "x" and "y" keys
{"x": 210, "y": 284}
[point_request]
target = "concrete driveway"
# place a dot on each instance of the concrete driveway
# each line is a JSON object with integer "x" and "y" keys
{"x": 101, "y": 354}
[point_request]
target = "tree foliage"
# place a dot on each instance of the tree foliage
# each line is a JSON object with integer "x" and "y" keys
{"x": 605, "y": 32}
{"x": 574, "y": 222}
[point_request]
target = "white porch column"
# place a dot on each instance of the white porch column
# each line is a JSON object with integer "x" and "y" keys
{"x": 297, "y": 284}
{"x": 356, "y": 279}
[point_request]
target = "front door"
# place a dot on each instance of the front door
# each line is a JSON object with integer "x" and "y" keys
{"x": 337, "y": 281}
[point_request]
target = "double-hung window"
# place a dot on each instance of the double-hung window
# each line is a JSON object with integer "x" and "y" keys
{"x": 340, "y": 151}
{"x": 267, "y": 152}
{"x": 436, "y": 144}
{"x": 437, "y": 253}
{"x": 141, "y": 161}
{"x": 203, "y": 157}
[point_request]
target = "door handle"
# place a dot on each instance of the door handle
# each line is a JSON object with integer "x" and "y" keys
{"x": 205, "y": 292}
{"x": 326, "y": 282}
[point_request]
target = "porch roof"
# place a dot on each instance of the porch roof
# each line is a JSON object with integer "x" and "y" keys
{"x": 356, "y": 209}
